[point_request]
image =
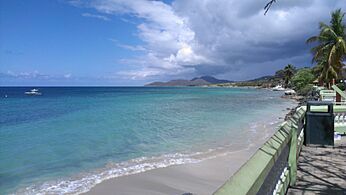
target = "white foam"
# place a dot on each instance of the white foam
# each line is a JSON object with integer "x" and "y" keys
{"x": 85, "y": 182}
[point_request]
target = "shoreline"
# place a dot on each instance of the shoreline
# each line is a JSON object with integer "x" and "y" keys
{"x": 201, "y": 170}
{"x": 197, "y": 178}
{"x": 203, "y": 177}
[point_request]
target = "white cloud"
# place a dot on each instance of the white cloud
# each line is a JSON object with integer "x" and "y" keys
{"x": 230, "y": 38}
{"x": 27, "y": 75}
{"x": 34, "y": 75}
{"x": 132, "y": 48}
{"x": 129, "y": 47}
{"x": 105, "y": 18}
{"x": 69, "y": 75}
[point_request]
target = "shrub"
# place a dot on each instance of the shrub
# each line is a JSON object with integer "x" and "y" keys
{"x": 306, "y": 90}
{"x": 302, "y": 80}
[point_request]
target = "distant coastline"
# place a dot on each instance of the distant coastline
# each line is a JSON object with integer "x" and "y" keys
{"x": 210, "y": 81}
{"x": 197, "y": 81}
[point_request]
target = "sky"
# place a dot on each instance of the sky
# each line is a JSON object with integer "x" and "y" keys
{"x": 129, "y": 43}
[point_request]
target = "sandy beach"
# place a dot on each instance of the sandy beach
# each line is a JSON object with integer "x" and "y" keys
{"x": 200, "y": 178}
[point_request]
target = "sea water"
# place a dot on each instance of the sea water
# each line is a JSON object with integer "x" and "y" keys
{"x": 71, "y": 138}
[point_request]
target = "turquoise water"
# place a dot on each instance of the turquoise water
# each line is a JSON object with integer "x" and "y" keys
{"x": 69, "y": 139}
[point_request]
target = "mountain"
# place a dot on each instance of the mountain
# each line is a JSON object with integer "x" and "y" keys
{"x": 198, "y": 81}
{"x": 211, "y": 80}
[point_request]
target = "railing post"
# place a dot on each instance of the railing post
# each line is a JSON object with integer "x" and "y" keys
{"x": 292, "y": 158}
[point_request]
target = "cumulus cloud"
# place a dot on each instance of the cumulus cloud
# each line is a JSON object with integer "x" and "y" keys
{"x": 169, "y": 42}
{"x": 227, "y": 38}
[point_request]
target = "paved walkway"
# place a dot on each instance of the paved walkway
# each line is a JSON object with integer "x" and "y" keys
{"x": 321, "y": 170}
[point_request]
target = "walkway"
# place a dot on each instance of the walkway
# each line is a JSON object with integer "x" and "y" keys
{"x": 321, "y": 170}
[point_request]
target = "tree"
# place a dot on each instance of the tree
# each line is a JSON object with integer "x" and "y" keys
{"x": 331, "y": 49}
{"x": 289, "y": 71}
{"x": 280, "y": 74}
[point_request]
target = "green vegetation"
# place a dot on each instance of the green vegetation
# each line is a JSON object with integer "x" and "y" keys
{"x": 281, "y": 77}
{"x": 302, "y": 80}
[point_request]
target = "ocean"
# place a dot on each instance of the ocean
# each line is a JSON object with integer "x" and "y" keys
{"x": 71, "y": 138}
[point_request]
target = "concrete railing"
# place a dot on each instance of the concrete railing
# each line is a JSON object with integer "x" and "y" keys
{"x": 327, "y": 95}
{"x": 330, "y": 95}
{"x": 274, "y": 165}
{"x": 261, "y": 173}
{"x": 340, "y": 122}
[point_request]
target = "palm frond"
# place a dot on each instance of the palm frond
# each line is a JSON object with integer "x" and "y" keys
{"x": 329, "y": 32}
{"x": 312, "y": 39}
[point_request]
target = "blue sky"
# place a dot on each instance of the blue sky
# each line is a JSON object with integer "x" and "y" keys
{"x": 53, "y": 38}
{"x": 118, "y": 42}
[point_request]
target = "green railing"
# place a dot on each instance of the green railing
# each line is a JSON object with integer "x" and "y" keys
{"x": 252, "y": 175}
{"x": 327, "y": 95}
{"x": 339, "y": 91}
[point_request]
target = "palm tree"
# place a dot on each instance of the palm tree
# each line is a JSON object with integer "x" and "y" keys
{"x": 331, "y": 49}
{"x": 289, "y": 71}
{"x": 324, "y": 71}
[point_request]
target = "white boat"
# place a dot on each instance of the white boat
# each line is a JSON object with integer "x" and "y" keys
{"x": 278, "y": 88}
{"x": 33, "y": 92}
{"x": 290, "y": 92}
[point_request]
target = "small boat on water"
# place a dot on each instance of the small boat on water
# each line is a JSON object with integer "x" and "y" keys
{"x": 33, "y": 92}
{"x": 290, "y": 92}
{"x": 278, "y": 88}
